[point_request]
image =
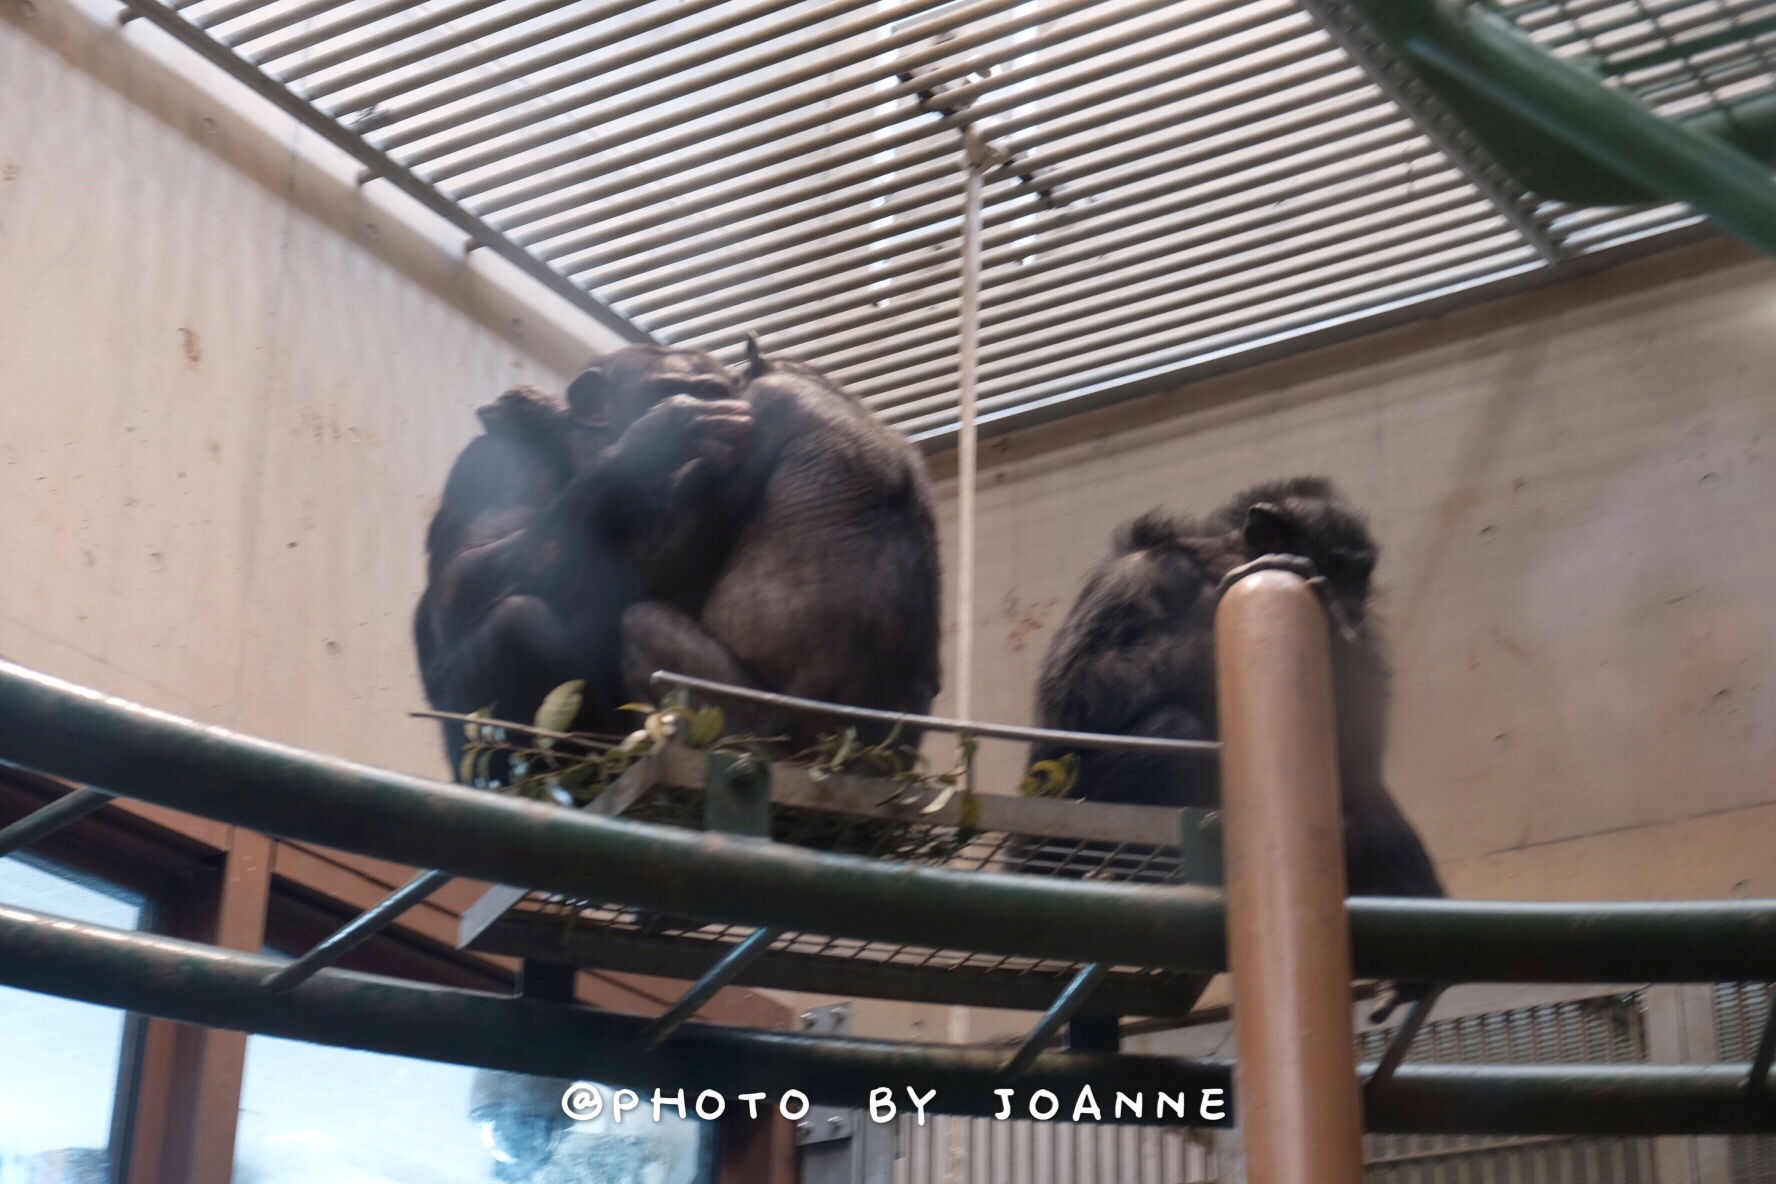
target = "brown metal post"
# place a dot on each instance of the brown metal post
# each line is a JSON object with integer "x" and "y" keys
{"x": 1288, "y": 940}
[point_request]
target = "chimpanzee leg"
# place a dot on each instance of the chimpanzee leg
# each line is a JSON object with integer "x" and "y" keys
{"x": 1383, "y": 854}
{"x": 657, "y": 636}
{"x": 516, "y": 654}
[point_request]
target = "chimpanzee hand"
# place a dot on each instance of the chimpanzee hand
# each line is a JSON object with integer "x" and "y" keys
{"x": 680, "y": 429}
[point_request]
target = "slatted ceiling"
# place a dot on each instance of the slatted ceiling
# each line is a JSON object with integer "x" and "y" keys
{"x": 1180, "y": 181}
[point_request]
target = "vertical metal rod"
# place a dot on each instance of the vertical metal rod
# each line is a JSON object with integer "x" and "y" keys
{"x": 714, "y": 979}
{"x": 1766, "y": 1050}
{"x": 1287, "y": 933}
{"x": 52, "y": 817}
{"x": 1070, "y": 1001}
{"x": 967, "y": 376}
{"x": 360, "y": 930}
{"x": 1401, "y": 1044}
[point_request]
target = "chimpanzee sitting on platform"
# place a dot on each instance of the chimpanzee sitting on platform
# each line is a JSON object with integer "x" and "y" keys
{"x": 1136, "y": 656}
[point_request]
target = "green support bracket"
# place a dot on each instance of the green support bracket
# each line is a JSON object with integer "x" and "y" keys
{"x": 738, "y": 798}
{"x": 1199, "y": 842}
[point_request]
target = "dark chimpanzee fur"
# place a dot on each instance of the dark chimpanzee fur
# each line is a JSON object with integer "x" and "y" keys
{"x": 536, "y": 548}
{"x": 1136, "y": 656}
{"x": 829, "y": 588}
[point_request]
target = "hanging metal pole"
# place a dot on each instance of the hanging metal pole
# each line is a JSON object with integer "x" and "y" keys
{"x": 967, "y": 371}
{"x": 1287, "y": 934}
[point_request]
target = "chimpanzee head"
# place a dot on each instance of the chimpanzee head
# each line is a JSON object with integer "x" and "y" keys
{"x": 619, "y": 388}
{"x": 1305, "y": 516}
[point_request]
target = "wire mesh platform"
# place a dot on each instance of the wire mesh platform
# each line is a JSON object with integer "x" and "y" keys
{"x": 848, "y": 815}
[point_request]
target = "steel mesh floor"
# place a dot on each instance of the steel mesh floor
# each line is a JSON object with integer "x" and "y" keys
{"x": 595, "y": 925}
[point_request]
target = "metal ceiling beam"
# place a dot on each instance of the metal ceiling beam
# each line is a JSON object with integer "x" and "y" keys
{"x": 1126, "y": 219}
{"x": 1513, "y": 204}
{"x": 490, "y": 82}
{"x": 1353, "y": 271}
{"x": 836, "y": 144}
{"x": 382, "y": 166}
{"x": 746, "y": 305}
{"x": 1304, "y": 316}
{"x": 1109, "y": 335}
{"x": 1094, "y": 110}
{"x": 1226, "y": 253}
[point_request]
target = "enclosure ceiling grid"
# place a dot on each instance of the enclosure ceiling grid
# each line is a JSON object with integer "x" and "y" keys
{"x": 1171, "y": 183}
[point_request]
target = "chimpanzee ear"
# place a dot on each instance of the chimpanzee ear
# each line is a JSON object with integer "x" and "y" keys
{"x": 585, "y": 394}
{"x": 1269, "y": 530}
{"x": 755, "y": 358}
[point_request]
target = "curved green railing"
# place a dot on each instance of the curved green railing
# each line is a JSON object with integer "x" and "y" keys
{"x": 63, "y": 730}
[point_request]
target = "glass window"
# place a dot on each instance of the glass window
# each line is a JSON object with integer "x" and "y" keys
{"x": 312, "y": 1114}
{"x": 60, "y": 1061}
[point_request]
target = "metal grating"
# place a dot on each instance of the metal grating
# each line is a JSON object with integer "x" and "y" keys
{"x": 951, "y": 1150}
{"x": 616, "y": 936}
{"x": 1610, "y": 1029}
{"x": 1740, "y": 1012}
{"x": 1178, "y": 184}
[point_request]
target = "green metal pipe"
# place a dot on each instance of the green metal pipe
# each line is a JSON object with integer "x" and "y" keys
{"x": 67, "y": 731}
{"x": 1564, "y": 133}
{"x": 199, "y": 984}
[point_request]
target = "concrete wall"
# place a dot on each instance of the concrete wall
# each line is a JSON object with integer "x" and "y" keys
{"x": 231, "y": 383}
{"x": 1573, "y": 491}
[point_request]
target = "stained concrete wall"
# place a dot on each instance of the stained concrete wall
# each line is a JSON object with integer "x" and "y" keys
{"x": 231, "y": 383}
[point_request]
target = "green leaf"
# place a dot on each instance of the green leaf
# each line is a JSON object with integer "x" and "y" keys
{"x": 706, "y": 727}
{"x": 847, "y": 746}
{"x": 968, "y": 817}
{"x": 560, "y": 706}
{"x": 473, "y": 732}
{"x": 1050, "y": 779}
{"x": 941, "y": 800}
{"x": 660, "y": 726}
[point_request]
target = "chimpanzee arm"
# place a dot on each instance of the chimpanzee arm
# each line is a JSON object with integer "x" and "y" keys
{"x": 627, "y": 487}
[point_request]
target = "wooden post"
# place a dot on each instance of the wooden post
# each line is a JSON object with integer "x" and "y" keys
{"x": 1295, "y": 1082}
{"x": 240, "y": 925}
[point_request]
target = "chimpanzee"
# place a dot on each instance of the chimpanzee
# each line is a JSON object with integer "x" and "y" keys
{"x": 537, "y": 546}
{"x": 829, "y": 587}
{"x": 1136, "y": 656}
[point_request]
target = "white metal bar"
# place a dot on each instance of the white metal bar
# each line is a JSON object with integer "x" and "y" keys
{"x": 838, "y": 144}
{"x": 1091, "y": 109}
{"x": 488, "y": 83}
{"x": 686, "y": 70}
{"x": 1276, "y": 117}
{"x": 975, "y": 164}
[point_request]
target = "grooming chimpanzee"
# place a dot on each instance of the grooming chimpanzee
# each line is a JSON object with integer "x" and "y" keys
{"x": 1136, "y": 657}
{"x": 829, "y": 587}
{"x": 537, "y": 546}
